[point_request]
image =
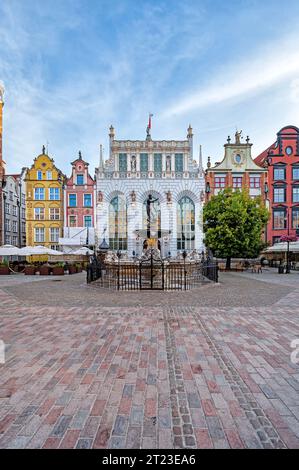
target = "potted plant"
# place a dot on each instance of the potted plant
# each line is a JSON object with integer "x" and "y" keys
{"x": 58, "y": 269}
{"x": 30, "y": 270}
{"x": 44, "y": 270}
{"x": 79, "y": 267}
{"x": 72, "y": 269}
{"x": 4, "y": 268}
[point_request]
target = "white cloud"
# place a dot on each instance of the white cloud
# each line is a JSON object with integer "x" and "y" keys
{"x": 271, "y": 65}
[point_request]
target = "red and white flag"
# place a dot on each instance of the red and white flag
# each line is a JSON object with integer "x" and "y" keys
{"x": 150, "y": 121}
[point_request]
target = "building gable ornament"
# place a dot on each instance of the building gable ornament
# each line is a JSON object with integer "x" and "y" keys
{"x": 238, "y": 158}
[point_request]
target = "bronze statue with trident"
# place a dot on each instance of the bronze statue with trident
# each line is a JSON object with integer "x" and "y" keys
{"x": 149, "y": 201}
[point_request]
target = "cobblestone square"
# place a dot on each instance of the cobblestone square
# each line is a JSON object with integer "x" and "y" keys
{"x": 91, "y": 368}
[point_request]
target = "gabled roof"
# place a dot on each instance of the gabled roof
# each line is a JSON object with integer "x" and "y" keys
{"x": 262, "y": 157}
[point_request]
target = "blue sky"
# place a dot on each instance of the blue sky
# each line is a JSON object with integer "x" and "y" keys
{"x": 72, "y": 67}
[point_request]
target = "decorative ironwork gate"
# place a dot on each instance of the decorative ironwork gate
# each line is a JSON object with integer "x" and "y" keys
{"x": 151, "y": 273}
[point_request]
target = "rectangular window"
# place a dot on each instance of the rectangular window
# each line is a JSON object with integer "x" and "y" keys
{"x": 87, "y": 221}
{"x": 10, "y": 195}
{"x": 23, "y": 199}
{"x": 279, "y": 194}
{"x": 237, "y": 181}
{"x": 72, "y": 200}
{"x": 144, "y": 162}
{"x": 7, "y": 208}
{"x": 80, "y": 179}
{"x": 54, "y": 234}
{"x": 220, "y": 182}
{"x": 14, "y": 210}
{"x": 15, "y": 241}
{"x": 279, "y": 219}
{"x": 122, "y": 162}
{"x": 73, "y": 221}
{"x": 49, "y": 175}
{"x": 14, "y": 226}
{"x": 279, "y": 173}
{"x": 7, "y": 225}
{"x": 54, "y": 194}
{"x": 39, "y": 213}
{"x": 39, "y": 234}
{"x": 39, "y": 194}
{"x": 295, "y": 217}
{"x": 295, "y": 193}
{"x": 179, "y": 162}
{"x": 87, "y": 200}
{"x": 295, "y": 173}
{"x": 39, "y": 175}
{"x": 23, "y": 213}
{"x": 23, "y": 226}
{"x": 255, "y": 182}
{"x": 157, "y": 162}
{"x": 54, "y": 213}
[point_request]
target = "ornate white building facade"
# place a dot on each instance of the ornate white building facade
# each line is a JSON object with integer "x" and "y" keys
{"x": 163, "y": 169}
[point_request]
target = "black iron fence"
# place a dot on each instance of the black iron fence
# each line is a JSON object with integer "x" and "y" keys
{"x": 153, "y": 274}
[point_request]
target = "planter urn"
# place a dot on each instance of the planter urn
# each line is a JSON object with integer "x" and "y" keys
{"x": 44, "y": 270}
{"x": 30, "y": 270}
{"x": 4, "y": 270}
{"x": 58, "y": 271}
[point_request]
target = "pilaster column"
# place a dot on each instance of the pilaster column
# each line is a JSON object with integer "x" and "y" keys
{"x": 128, "y": 162}
{"x": 163, "y": 162}
{"x": 138, "y": 162}
{"x": 185, "y": 164}
{"x": 150, "y": 162}
{"x": 172, "y": 162}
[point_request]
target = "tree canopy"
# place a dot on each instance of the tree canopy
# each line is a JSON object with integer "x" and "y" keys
{"x": 233, "y": 224}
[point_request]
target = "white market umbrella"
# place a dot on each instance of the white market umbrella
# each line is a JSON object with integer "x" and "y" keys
{"x": 49, "y": 251}
{"x": 38, "y": 250}
{"x": 82, "y": 251}
{"x": 9, "y": 250}
{"x": 283, "y": 247}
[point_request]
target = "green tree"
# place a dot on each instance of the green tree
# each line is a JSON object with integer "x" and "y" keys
{"x": 233, "y": 224}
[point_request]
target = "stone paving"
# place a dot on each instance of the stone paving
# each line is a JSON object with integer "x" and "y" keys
{"x": 90, "y": 368}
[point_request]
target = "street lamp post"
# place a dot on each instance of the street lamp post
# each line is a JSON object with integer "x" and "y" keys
{"x": 288, "y": 243}
{"x": 266, "y": 191}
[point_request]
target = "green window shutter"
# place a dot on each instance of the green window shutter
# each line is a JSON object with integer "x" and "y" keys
{"x": 158, "y": 162}
{"x": 178, "y": 162}
{"x": 122, "y": 162}
{"x": 144, "y": 162}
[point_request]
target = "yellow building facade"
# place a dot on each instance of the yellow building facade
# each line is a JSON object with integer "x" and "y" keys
{"x": 44, "y": 203}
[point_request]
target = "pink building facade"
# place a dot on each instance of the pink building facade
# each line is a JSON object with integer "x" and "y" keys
{"x": 79, "y": 207}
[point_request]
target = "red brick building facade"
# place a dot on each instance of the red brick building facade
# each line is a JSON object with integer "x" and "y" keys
{"x": 2, "y": 169}
{"x": 281, "y": 160}
{"x": 79, "y": 200}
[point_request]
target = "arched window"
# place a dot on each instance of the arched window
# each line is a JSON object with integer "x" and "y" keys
{"x": 118, "y": 223}
{"x": 155, "y": 216}
{"x": 185, "y": 224}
